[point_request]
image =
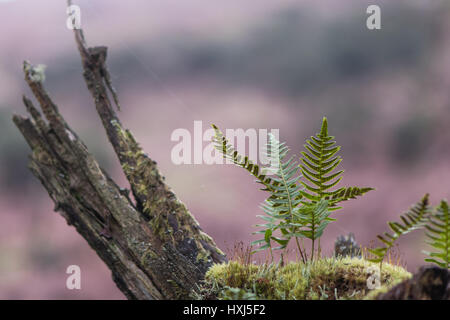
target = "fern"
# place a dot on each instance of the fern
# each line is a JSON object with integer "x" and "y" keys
{"x": 283, "y": 187}
{"x": 286, "y": 193}
{"x": 312, "y": 220}
{"x": 438, "y": 228}
{"x": 223, "y": 146}
{"x": 292, "y": 211}
{"x": 289, "y": 196}
{"x": 347, "y": 193}
{"x": 416, "y": 217}
{"x": 318, "y": 166}
{"x": 285, "y": 197}
{"x": 295, "y": 212}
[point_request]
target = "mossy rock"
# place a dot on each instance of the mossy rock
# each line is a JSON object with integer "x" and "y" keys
{"x": 327, "y": 278}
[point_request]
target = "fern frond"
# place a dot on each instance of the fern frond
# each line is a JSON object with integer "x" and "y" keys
{"x": 318, "y": 164}
{"x": 286, "y": 190}
{"x": 311, "y": 219}
{"x": 229, "y": 152}
{"x": 416, "y": 217}
{"x": 438, "y": 228}
{"x": 272, "y": 218}
{"x": 285, "y": 193}
{"x": 346, "y": 193}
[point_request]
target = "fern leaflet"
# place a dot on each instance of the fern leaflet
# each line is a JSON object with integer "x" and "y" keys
{"x": 347, "y": 193}
{"x": 229, "y": 152}
{"x": 318, "y": 166}
{"x": 285, "y": 195}
{"x": 312, "y": 220}
{"x": 416, "y": 217}
{"x": 439, "y": 234}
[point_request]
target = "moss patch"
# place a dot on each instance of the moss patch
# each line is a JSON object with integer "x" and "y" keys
{"x": 328, "y": 278}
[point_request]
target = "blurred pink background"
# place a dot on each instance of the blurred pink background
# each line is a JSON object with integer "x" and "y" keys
{"x": 253, "y": 64}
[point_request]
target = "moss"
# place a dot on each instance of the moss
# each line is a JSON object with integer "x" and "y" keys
{"x": 203, "y": 236}
{"x": 168, "y": 218}
{"x": 204, "y": 256}
{"x": 161, "y": 228}
{"x": 178, "y": 291}
{"x": 328, "y": 278}
{"x": 220, "y": 251}
{"x": 372, "y": 295}
{"x": 149, "y": 254}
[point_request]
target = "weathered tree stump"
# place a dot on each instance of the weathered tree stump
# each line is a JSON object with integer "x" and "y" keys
{"x": 153, "y": 245}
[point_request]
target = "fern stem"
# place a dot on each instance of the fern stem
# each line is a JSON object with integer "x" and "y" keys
{"x": 304, "y": 249}
{"x": 319, "y": 249}
{"x": 271, "y": 254}
{"x": 313, "y": 236}
{"x": 323, "y": 134}
{"x": 300, "y": 250}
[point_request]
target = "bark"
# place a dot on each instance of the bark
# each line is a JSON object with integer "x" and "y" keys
{"x": 429, "y": 283}
{"x": 153, "y": 245}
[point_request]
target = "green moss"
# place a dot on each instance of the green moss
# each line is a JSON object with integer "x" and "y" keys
{"x": 202, "y": 255}
{"x": 220, "y": 252}
{"x": 161, "y": 228}
{"x": 179, "y": 292}
{"x": 328, "y": 278}
{"x": 149, "y": 254}
{"x": 169, "y": 219}
{"x": 383, "y": 289}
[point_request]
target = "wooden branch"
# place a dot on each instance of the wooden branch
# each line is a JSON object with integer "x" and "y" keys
{"x": 155, "y": 248}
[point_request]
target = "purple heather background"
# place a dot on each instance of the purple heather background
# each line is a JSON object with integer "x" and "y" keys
{"x": 239, "y": 64}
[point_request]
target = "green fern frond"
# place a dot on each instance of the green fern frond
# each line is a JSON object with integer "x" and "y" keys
{"x": 272, "y": 218}
{"x": 229, "y": 152}
{"x": 318, "y": 166}
{"x": 282, "y": 184}
{"x": 311, "y": 219}
{"x": 286, "y": 190}
{"x": 346, "y": 193}
{"x": 438, "y": 229}
{"x": 318, "y": 162}
{"x": 415, "y": 218}
{"x": 285, "y": 195}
